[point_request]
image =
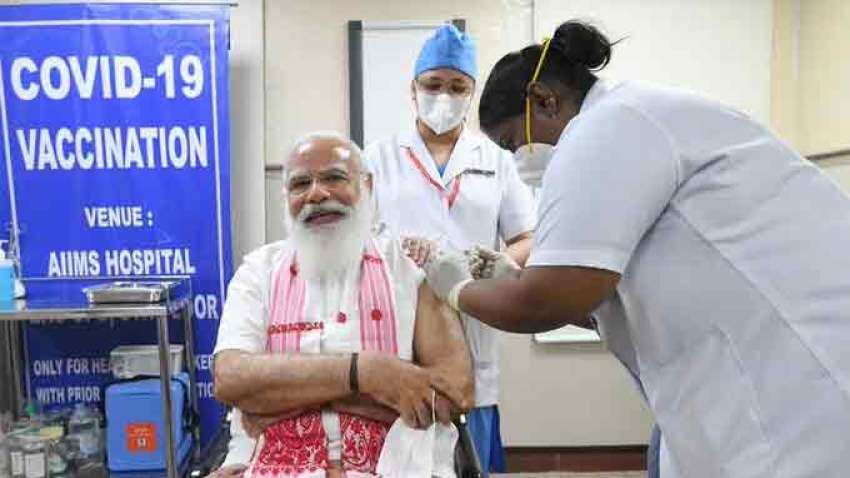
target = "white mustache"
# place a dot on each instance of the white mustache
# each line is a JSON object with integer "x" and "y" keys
{"x": 330, "y": 206}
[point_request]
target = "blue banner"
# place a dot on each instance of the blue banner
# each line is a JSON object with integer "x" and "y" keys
{"x": 115, "y": 157}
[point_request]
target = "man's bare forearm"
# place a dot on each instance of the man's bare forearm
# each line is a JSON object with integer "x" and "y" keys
{"x": 440, "y": 348}
{"x": 365, "y": 407}
{"x": 277, "y": 383}
{"x": 451, "y": 370}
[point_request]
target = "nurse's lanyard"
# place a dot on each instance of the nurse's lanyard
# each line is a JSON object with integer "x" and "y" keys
{"x": 450, "y": 196}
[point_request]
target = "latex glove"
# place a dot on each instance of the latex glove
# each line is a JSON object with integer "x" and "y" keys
{"x": 476, "y": 263}
{"x": 448, "y": 272}
{"x": 496, "y": 265}
{"x": 419, "y": 250}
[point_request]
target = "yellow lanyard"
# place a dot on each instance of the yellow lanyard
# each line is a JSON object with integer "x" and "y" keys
{"x": 527, "y": 98}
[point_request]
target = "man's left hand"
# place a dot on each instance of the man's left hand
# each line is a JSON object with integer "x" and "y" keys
{"x": 448, "y": 392}
{"x": 444, "y": 409}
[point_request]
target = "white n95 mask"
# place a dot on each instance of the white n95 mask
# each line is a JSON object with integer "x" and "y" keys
{"x": 532, "y": 160}
{"x": 442, "y": 112}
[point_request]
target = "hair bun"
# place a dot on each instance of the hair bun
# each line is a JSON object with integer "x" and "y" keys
{"x": 582, "y": 44}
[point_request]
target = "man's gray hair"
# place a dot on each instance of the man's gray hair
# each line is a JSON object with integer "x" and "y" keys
{"x": 301, "y": 141}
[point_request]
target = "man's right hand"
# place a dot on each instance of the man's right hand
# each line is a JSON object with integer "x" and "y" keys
{"x": 400, "y": 385}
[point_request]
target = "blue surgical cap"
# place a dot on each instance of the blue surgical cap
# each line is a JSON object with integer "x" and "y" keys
{"x": 448, "y": 47}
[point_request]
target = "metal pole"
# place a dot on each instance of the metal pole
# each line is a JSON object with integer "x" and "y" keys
{"x": 189, "y": 339}
{"x": 13, "y": 333}
{"x": 165, "y": 382}
{"x": 26, "y": 352}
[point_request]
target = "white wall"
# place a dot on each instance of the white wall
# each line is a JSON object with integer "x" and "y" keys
{"x": 247, "y": 127}
{"x": 557, "y": 395}
{"x": 720, "y": 48}
{"x": 823, "y": 88}
{"x": 810, "y": 87}
{"x": 785, "y": 71}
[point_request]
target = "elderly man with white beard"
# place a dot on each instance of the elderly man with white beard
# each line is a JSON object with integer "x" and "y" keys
{"x": 330, "y": 335}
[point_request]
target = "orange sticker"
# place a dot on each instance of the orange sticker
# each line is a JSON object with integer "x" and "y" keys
{"x": 141, "y": 437}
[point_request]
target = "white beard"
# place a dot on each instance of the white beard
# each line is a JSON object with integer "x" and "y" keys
{"x": 333, "y": 249}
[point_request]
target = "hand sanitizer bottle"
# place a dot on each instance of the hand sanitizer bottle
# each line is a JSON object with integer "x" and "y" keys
{"x": 7, "y": 276}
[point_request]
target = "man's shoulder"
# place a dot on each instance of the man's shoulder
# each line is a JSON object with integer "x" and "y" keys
{"x": 390, "y": 248}
{"x": 266, "y": 255}
{"x": 399, "y": 264}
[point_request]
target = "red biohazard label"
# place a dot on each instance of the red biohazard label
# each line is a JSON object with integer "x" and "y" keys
{"x": 141, "y": 437}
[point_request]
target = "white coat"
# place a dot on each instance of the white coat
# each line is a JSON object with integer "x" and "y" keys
{"x": 733, "y": 307}
{"x": 491, "y": 204}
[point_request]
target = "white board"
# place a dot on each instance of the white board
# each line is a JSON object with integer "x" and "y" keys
{"x": 389, "y": 54}
{"x": 567, "y": 334}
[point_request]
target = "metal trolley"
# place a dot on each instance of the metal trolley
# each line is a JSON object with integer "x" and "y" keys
{"x": 174, "y": 305}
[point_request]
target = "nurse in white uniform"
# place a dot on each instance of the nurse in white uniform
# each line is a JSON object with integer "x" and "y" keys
{"x": 713, "y": 257}
{"x": 446, "y": 184}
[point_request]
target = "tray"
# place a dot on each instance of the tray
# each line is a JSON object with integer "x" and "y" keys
{"x": 128, "y": 292}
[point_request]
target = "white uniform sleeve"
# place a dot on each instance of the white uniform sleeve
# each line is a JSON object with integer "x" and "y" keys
{"x": 612, "y": 175}
{"x": 516, "y": 210}
{"x": 405, "y": 270}
{"x": 371, "y": 155}
{"x": 372, "y": 163}
{"x": 243, "y": 320}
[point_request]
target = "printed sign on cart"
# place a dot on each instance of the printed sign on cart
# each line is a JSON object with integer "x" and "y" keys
{"x": 115, "y": 164}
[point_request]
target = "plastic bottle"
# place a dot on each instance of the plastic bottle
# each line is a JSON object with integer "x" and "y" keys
{"x": 7, "y": 276}
{"x": 16, "y": 456}
{"x": 56, "y": 463}
{"x": 84, "y": 425}
{"x": 35, "y": 456}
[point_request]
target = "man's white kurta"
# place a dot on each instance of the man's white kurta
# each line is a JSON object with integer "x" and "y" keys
{"x": 245, "y": 319}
